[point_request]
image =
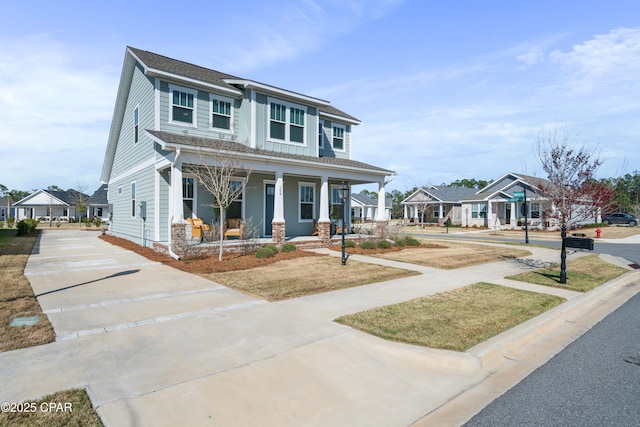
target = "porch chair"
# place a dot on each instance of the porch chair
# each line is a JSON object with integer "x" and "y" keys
{"x": 198, "y": 227}
{"x": 233, "y": 228}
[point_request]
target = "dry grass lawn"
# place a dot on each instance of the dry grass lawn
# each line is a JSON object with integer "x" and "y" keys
{"x": 16, "y": 296}
{"x": 454, "y": 255}
{"x": 82, "y": 413}
{"x": 298, "y": 277}
{"x": 583, "y": 274}
{"x": 455, "y": 320}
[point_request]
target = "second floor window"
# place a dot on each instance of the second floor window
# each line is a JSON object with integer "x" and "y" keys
{"x": 183, "y": 106}
{"x": 286, "y": 122}
{"x": 278, "y": 121}
{"x": 338, "y": 137}
{"x": 220, "y": 114}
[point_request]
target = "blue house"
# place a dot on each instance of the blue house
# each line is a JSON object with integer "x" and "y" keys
{"x": 170, "y": 115}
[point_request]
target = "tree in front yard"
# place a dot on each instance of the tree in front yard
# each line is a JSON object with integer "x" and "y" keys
{"x": 216, "y": 173}
{"x": 570, "y": 169}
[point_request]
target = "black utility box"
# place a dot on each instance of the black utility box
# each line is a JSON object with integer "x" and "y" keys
{"x": 579, "y": 243}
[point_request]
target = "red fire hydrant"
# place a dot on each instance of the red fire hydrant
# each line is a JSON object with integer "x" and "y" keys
{"x": 598, "y": 231}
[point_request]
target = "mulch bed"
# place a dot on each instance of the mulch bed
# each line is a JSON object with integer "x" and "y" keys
{"x": 360, "y": 251}
{"x": 206, "y": 264}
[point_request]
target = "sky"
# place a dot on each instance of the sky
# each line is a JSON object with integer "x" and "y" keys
{"x": 444, "y": 90}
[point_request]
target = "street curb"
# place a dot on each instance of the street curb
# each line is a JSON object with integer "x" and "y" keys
{"x": 497, "y": 350}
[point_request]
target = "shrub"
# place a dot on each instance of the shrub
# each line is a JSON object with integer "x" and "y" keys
{"x": 368, "y": 244}
{"x": 266, "y": 251}
{"x": 384, "y": 244}
{"x": 1, "y": 224}
{"x": 288, "y": 247}
{"x": 26, "y": 226}
{"x": 410, "y": 241}
{"x": 349, "y": 244}
{"x": 11, "y": 222}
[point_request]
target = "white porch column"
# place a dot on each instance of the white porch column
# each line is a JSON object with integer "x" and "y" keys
{"x": 324, "y": 200}
{"x": 441, "y": 211}
{"x": 405, "y": 212}
{"x": 278, "y": 202}
{"x": 176, "y": 189}
{"x": 380, "y": 215}
{"x": 513, "y": 214}
{"x": 489, "y": 216}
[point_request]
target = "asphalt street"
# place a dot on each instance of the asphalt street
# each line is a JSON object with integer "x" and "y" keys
{"x": 589, "y": 383}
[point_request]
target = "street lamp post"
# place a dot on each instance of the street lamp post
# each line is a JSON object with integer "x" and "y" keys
{"x": 344, "y": 194}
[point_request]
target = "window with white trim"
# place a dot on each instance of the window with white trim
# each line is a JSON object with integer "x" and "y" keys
{"x": 183, "y": 105}
{"x": 136, "y": 113}
{"x": 287, "y": 122}
{"x": 221, "y": 113}
{"x": 336, "y": 202}
{"x": 478, "y": 210}
{"x": 535, "y": 210}
{"x": 188, "y": 185}
{"x": 235, "y": 208}
{"x": 307, "y": 205}
{"x": 133, "y": 199}
{"x": 338, "y": 137}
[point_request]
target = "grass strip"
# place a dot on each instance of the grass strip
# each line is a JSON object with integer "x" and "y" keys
{"x": 299, "y": 277}
{"x": 583, "y": 274}
{"x": 454, "y": 320}
{"x": 65, "y": 408}
{"x": 17, "y": 298}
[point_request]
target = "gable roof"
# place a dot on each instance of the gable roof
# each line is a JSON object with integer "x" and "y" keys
{"x": 99, "y": 197}
{"x": 507, "y": 184}
{"x": 67, "y": 198}
{"x": 443, "y": 194}
{"x": 363, "y": 199}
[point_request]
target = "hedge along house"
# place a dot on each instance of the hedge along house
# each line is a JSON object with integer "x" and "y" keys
{"x": 435, "y": 204}
{"x": 171, "y": 114}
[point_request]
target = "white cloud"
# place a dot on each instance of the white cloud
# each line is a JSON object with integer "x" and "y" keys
{"x": 56, "y": 112}
{"x": 604, "y": 61}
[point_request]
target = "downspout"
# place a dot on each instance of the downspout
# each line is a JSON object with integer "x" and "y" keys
{"x": 171, "y": 253}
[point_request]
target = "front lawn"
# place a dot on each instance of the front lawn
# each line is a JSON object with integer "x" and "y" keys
{"x": 455, "y": 320}
{"x": 583, "y": 274}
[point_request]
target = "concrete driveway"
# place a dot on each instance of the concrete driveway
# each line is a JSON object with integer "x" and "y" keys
{"x": 156, "y": 346}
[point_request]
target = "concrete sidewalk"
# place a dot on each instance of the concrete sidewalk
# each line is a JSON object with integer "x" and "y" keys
{"x": 156, "y": 346}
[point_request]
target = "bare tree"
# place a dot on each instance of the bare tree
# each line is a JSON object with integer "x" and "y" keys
{"x": 569, "y": 169}
{"x": 79, "y": 200}
{"x": 215, "y": 172}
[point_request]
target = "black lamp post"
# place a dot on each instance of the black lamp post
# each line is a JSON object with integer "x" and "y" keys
{"x": 344, "y": 194}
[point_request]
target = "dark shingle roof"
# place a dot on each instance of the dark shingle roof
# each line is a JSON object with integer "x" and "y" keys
{"x": 199, "y": 142}
{"x": 206, "y": 75}
{"x": 450, "y": 194}
{"x": 99, "y": 197}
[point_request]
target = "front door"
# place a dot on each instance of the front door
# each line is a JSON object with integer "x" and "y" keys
{"x": 507, "y": 212}
{"x": 269, "y": 197}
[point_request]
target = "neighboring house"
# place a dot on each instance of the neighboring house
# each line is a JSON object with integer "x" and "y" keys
{"x": 7, "y": 209}
{"x": 97, "y": 204}
{"x": 170, "y": 113}
{"x": 365, "y": 208}
{"x": 434, "y": 204}
{"x": 493, "y": 205}
{"x": 46, "y": 204}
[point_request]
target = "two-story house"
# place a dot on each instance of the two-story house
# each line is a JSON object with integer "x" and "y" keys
{"x": 170, "y": 114}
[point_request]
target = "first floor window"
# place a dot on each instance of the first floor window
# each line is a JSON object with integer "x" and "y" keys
{"x": 535, "y": 210}
{"x": 478, "y": 210}
{"x": 307, "y": 202}
{"x": 220, "y": 114}
{"x": 235, "y": 208}
{"x": 133, "y": 199}
{"x": 188, "y": 185}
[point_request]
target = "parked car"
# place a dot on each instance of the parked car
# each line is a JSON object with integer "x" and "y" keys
{"x": 620, "y": 218}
